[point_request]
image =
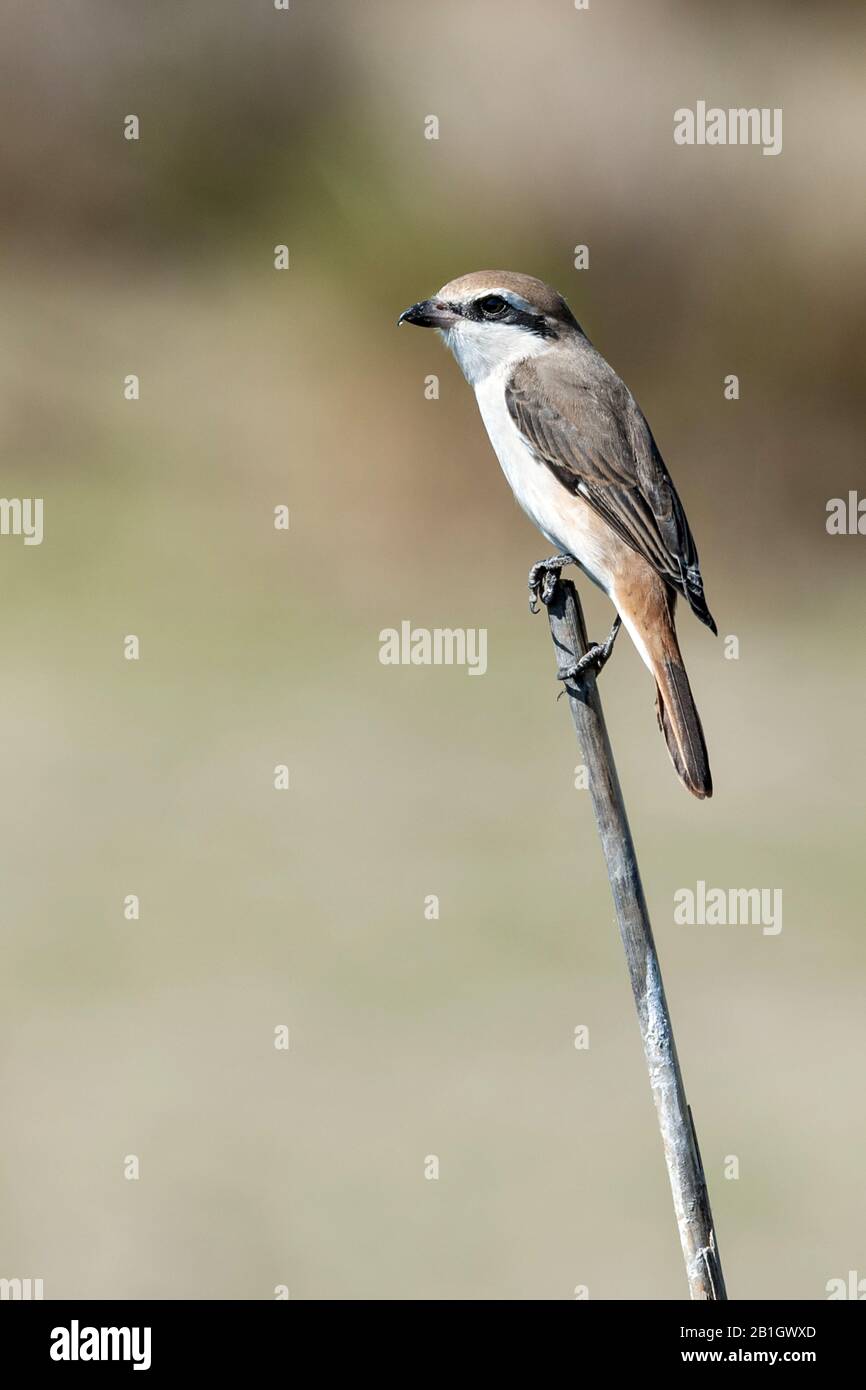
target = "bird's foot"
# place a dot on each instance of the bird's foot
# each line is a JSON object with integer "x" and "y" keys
{"x": 596, "y": 656}
{"x": 543, "y": 577}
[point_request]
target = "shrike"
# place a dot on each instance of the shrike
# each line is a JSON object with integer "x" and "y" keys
{"x": 582, "y": 463}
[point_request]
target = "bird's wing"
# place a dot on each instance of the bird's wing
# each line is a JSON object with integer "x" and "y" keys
{"x": 589, "y": 431}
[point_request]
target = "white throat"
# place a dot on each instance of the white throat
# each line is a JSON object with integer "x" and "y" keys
{"x": 482, "y": 348}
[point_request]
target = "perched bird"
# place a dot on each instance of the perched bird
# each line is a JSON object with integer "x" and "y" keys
{"x": 583, "y": 464}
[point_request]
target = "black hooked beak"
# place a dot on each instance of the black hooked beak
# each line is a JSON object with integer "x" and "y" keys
{"x": 429, "y": 313}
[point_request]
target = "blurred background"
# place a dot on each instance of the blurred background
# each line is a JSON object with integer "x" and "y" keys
{"x": 412, "y": 1037}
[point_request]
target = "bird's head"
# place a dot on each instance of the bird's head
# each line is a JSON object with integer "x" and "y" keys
{"x": 494, "y": 318}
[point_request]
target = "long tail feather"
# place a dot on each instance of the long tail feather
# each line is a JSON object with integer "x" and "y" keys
{"x": 679, "y": 722}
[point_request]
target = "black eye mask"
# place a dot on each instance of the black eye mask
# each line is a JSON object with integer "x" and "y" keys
{"x": 492, "y": 308}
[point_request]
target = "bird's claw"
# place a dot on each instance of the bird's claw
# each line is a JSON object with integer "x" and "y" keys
{"x": 543, "y": 578}
{"x": 597, "y": 655}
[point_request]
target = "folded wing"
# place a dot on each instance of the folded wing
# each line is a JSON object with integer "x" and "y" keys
{"x": 591, "y": 433}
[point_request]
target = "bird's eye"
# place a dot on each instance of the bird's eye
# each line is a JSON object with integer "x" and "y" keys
{"x": 492, "y": 306}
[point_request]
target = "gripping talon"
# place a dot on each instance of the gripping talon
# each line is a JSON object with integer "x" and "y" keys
{"x": 596, "y": 656}
{"x": 543, "y": 578}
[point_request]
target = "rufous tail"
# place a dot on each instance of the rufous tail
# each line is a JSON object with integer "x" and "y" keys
{"x": 681, "y": 726}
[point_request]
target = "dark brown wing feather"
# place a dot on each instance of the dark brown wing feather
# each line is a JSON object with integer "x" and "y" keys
{"x": 586, "y": 426}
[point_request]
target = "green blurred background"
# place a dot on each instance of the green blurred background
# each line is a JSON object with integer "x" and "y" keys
{"x": 258, "y": 908}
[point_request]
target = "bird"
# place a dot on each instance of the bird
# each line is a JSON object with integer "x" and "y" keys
{"x": 582, "y": 462}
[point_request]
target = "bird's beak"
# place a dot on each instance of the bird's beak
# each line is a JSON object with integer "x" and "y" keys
{"x": 429, "y": 313}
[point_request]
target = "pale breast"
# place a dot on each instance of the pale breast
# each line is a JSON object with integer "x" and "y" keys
{"x": 567, "y": 521}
